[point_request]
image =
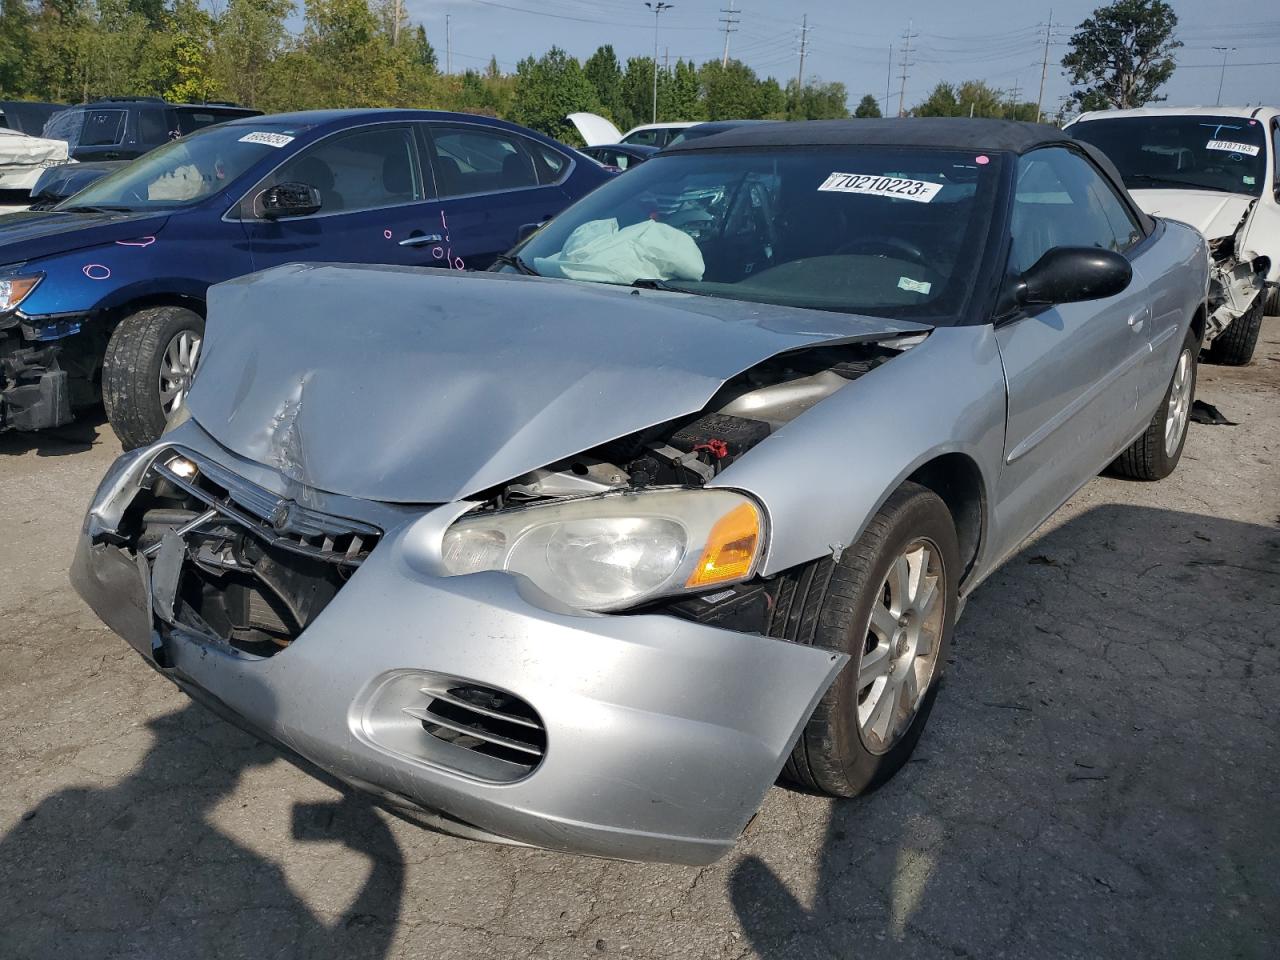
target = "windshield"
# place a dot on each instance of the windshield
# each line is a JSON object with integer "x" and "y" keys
{"x": 184, "y": 171}
{"x": 881, "y": 230}
{"x": 1187, "y": 153}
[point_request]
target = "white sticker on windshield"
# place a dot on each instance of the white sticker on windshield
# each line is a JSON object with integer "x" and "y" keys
{"x": 270, "y": 139}
{"x": 1230, "y": 146}
{"x": 915, "y": 286}
{"x": 922, "y": 191}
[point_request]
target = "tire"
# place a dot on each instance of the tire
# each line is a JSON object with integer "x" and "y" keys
{"x": 1234, "y": 346}
{"x": 830, "y": 603}
{"x": 131, "y": 370}
{"x": 1151, "y": 457}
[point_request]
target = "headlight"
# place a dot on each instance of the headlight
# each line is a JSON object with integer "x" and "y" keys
{"x": 616, "y": 550}
{"x": 13, "y": 290}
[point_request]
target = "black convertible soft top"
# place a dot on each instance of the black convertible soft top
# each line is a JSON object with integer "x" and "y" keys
{"x": 955, "y": 133}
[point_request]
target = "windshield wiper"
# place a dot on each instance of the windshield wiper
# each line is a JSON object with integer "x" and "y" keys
{"x": 516, "y": 261}
{"x": 654, "y": 283}
{"x": 1152, "y": 178}
{"x": 96, "y": 209}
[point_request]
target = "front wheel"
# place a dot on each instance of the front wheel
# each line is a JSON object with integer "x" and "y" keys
{"x": 1155, "y": 454}
{"x": 147, "y": 370}
{"x": 889, "y": 602}
{"x": 1234, "y": 346}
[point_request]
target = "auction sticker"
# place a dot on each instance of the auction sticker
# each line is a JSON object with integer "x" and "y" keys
{"x": 1230, "y": 146}
{"x": 922, "y": 191}
{"x": 269, "y": 139}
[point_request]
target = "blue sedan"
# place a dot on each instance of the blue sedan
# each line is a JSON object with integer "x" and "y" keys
{"x": 107, "y": 291}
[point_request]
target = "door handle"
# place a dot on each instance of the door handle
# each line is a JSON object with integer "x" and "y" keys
{"x": 421, "y": 239}
{"x": 1136, "y": 320}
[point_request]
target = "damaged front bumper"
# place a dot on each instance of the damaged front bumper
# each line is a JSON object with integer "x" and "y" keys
{"x": 638, "y": 737}
{"x": 36, "y": 392}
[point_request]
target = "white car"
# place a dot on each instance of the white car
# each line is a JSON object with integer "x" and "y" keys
{"x": 1218, "y": 169}
{"x": 596, "y": 131}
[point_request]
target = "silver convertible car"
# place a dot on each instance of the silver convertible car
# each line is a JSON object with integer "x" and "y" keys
{"x": 687, "y": 493}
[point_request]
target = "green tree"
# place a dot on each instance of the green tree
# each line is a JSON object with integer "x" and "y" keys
{"x": 734, "y": 92}
{"x": 248, "y": 39}
{"x": 817, "y": 101}
{"x": 680, "y": 93}
{"x": 549, "y": 89}
{"x": 605, "y": 75}
{"x": 868, "y": 107}
{"x": 637, "y": 86}
{"x": 15, "y": 45}
{"x": 1123, "y": 54}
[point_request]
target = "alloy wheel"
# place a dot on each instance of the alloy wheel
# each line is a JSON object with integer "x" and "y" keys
{"x": 900, "y": 655}
{"x": 177, "y": 367}
{"x": 1175, "y": 421}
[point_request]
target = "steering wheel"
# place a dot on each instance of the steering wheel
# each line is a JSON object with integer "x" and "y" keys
{"x": 885, "y": 246}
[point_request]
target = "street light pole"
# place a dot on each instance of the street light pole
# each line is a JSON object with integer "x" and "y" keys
{"x": 1223, "y": 75}
{"x": 657, "y": 8}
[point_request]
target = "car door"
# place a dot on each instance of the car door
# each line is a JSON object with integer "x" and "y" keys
{"x": 491, "y": 181}
{"x": 375, "y": 207}
{"x": 1072, "y": 370}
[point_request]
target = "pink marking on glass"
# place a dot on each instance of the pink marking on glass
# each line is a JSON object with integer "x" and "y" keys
{"x": 982, "y": 160}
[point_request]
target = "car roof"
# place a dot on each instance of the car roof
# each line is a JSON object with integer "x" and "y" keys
{"x": 674, "y": 125}
{"x": 1249, "y": 112}
{"x": 320, "y": 117}
{"x": 958, "y": 133}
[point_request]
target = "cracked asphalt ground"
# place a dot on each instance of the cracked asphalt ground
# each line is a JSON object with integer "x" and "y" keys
{"x": 1099, "y": 778}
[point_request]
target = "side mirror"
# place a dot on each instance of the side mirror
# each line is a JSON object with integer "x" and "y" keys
{"x": 289, "y": 200}
{"x": 526, "y": 230}
{"x": 1072, "y": 274}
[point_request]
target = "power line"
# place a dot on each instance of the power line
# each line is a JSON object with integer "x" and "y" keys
{"x": 730, "y": 26}
{"x": 906, "y": 65}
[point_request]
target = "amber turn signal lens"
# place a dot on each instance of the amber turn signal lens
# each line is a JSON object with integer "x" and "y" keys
{"x": 731, "y": 548}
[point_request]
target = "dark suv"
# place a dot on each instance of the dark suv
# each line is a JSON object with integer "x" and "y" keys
{"x": 122, "y": 128}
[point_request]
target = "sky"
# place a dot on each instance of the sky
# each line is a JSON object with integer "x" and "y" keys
{"x": 1000, "y": 41}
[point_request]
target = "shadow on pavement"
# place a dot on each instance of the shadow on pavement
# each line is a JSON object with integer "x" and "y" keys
{"x": 1099, "y": 774}
{"x": 140, "y": 870}
{"x": 76, "y": 437}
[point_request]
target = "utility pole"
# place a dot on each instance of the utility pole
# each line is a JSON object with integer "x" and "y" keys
{"x": 888, "y": 81}
{"x": 1044, "y": 65}
{"x": 1223, "y": 75}
{"x": 448, "y": 47}
{"x": 730, "y": 26}
{"x": 657, "y": 8}
{"x": 804, "y": 43}
{"x": 397, "y": 12}
{"x": 906, "y": 64}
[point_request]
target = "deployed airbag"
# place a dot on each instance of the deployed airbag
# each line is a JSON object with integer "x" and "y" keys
{"x": 598, "y": 250}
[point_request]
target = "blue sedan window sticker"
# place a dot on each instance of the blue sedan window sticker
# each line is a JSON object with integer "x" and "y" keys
{"x": 1230, "y": 146}
{"x": 914, "y": 286}
{"x": 269, "y": 139}
{"x": 900, "y": 188}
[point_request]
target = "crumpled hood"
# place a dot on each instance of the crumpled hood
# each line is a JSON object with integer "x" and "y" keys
{"x": 32, "y": 234}
{"x": 1213, "y": 213}
{"x": 425, "y": 386}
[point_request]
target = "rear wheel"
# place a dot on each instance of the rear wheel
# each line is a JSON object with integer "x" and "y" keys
{"x": 1155, "y": 454}
{"x": 1233, "y": 347}
{"x": 889, "y": 603}
{"x": 147, "y": 371}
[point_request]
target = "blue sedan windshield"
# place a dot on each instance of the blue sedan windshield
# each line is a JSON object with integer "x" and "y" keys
{"x": 185, "y": 170}
{"x": 849, "y": 228}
